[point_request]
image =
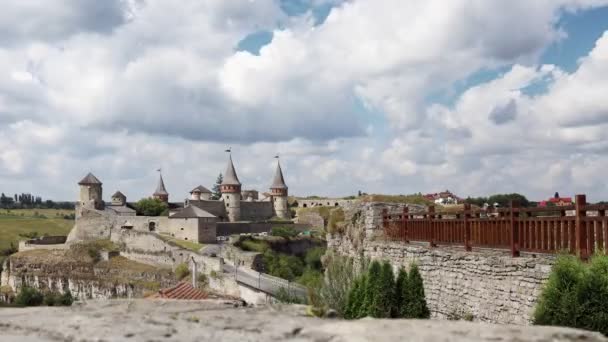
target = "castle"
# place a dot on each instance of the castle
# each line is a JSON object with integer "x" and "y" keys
{"x": 195, "y": 219}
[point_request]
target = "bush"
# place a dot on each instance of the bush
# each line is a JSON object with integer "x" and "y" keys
{"x": 372, "y": 291}
{"x": 29, "y": 297}
{"x": 414, "y": 295}
{"x": 576, "y": 295}
{"x": 558, "y": 303}
{"x": 284, "y": 296}
{"x": 401, "y": 285}
{"x": 151, "y": 207}
{"x": 50, "y": 299}
{"x": 286, "y": 232}
{"x": 182, "y": 271}
{"x": 313, "y": 257}
{"x": 356, "y": 297}
{"x": 65, "y": 299}
{"x": 336, "y": 221}
{"x": 339, "y": 278}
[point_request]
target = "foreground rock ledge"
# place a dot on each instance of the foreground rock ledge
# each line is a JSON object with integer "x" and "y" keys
{"x": 144, "y": 320}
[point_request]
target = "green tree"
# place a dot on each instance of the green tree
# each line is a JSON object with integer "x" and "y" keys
{"x": 29, "y": 296}
{"x": 558, "y": 303}
{"x": 355, "y": 298}
{"x": 386, "y": 294}
{"x": 370, "y": 305}
{"x": 151, "y": 207}
{"x": 216, "y": 191}
{"x": 399, "y": 309}
{"x": 593, "y": 296}
{"x": 414, "y": 295}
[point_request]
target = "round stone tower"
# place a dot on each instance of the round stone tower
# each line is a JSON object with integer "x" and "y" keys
{"x": 231, "y": 193}
{"x": 91, "y": 193}
{"x": 278, "y": 190}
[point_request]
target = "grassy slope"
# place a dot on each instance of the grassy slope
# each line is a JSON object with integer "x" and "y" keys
{"x": 11, "y": 224}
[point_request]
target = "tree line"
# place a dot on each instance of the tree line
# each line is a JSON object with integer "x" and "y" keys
{"x": 29, "y": 201}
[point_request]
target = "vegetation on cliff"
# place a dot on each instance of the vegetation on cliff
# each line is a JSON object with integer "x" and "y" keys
{"x": 410, "y": 199}
{"x": 576, "y": 295}
{"x": 376, "y": 293}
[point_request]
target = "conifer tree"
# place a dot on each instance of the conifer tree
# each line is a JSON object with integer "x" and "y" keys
{"x": 217, "y": 194}
{"x": 414, "y": 295}
{"x": 372, "y": 291}
{"x": 384, "y": 300}
{"x": 355, "y": 298}
{"x": 399, "y": 305}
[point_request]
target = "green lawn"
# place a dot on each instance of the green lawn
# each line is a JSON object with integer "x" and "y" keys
{"x": 12, "y": 223}
{"x": 191, "y": 245}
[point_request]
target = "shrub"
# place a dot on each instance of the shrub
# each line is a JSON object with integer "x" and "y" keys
{"x": 202, "y": 280}
{"x": 182, "y": 271}
{"x": 372, "y": 291}
{"x": 50, "y": 299}
{"x": 286, "y": 232}
{"x": 339, "y": 277}
{"x": 593, "y": 297}
{"x": 575, "y": 295}
{"x": 414, "y": 295}
{"x": 336, "y": 221}
{"x": 401, "y": 285}
{"x": 94, "y": 253}
{"x": 151, "y": 207}
{"x": 29, "y": 297}
{"x": 558, "y": 303}
{"x": 355, "y": 299}
{"x": 284, "y": 296}
{"x": 313, "y": 257}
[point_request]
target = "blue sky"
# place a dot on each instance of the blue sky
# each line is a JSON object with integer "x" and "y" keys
{"x": 389, "y": 96}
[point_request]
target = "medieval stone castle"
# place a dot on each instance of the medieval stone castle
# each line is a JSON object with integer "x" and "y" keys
{"x": 195, "y": 219}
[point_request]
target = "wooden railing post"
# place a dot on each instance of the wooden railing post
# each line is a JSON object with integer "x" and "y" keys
{"x": 385, "y": 223}
{"x": 514, "y": 229}
{"x": 404, "y": 224}
{"x": 431, "y": 216}
{"x": 581, "y": 242}
{"x": 467, "y": 227}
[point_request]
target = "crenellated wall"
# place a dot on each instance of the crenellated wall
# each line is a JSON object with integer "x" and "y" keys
{"x": 487, "y": 284}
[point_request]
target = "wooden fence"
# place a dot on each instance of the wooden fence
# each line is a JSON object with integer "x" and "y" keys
{"x": 536, "y": 230}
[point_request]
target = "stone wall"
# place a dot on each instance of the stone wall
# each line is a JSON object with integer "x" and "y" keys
{"x": 487, "y": 284}
{"x": 256, "y": 211}
{"x": 326, "y": 202}
{"x": 230, "y": 228}
{"x": 151, "y": 249}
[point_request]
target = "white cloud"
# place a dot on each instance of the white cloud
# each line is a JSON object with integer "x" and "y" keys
{"x": 124, "y": 87}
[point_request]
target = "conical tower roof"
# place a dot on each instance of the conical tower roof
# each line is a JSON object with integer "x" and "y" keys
{"x": 89, "y": 179}
{"x": 278, "y": 182}
{"x": 160, "y": 188}
{"x": 230, "y": 177}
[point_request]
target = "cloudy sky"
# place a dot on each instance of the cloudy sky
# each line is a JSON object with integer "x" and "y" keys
{"x": 384, "y": 96}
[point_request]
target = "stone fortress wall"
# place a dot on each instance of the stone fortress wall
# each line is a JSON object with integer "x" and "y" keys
{"x": 489, "y": 285}
{"x": 326, "y": 202}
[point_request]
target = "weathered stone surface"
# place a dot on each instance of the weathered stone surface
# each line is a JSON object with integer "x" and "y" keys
{"x": 485, "y": 285}
{"x": 143, "y": 320}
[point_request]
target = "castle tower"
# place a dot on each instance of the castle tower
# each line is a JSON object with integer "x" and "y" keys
{"x": 200, "y": 193}
{"x": 161, "y": 193}
{"x": 231, "y": 193}
{"x": 278, "y": 190}
{"x": 91, "y": 193}
{"x": 119, "y": 199}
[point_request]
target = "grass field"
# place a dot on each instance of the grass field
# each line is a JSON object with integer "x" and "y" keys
{"x": 42, "y": 221}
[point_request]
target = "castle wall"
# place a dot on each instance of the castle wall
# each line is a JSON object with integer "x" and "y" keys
{"x": 217, "y": 208}
{"x": 256, "y": 211}
{"x": 201, "y": 229}
{"x": 326, "y": 202}
{"x": 231, "y": 228}
{"x": 490, "y": 285}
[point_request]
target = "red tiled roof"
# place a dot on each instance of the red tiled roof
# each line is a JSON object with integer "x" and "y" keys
{"x": 182, "y": 290}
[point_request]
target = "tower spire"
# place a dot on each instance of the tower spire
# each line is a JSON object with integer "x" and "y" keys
{"x": 161, "y": 192}
{"x": 278, "y": 181}
{"x": 230, "y": 177}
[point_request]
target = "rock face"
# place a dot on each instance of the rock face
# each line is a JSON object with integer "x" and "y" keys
{"x": 483, "y": 285}
{"x": 144, "y": 320}
{"x": 57, "y": 271}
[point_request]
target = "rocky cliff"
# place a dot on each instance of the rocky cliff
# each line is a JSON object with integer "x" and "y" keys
{"x": 84, "y": 277}
{"x": 483, "y": 285}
